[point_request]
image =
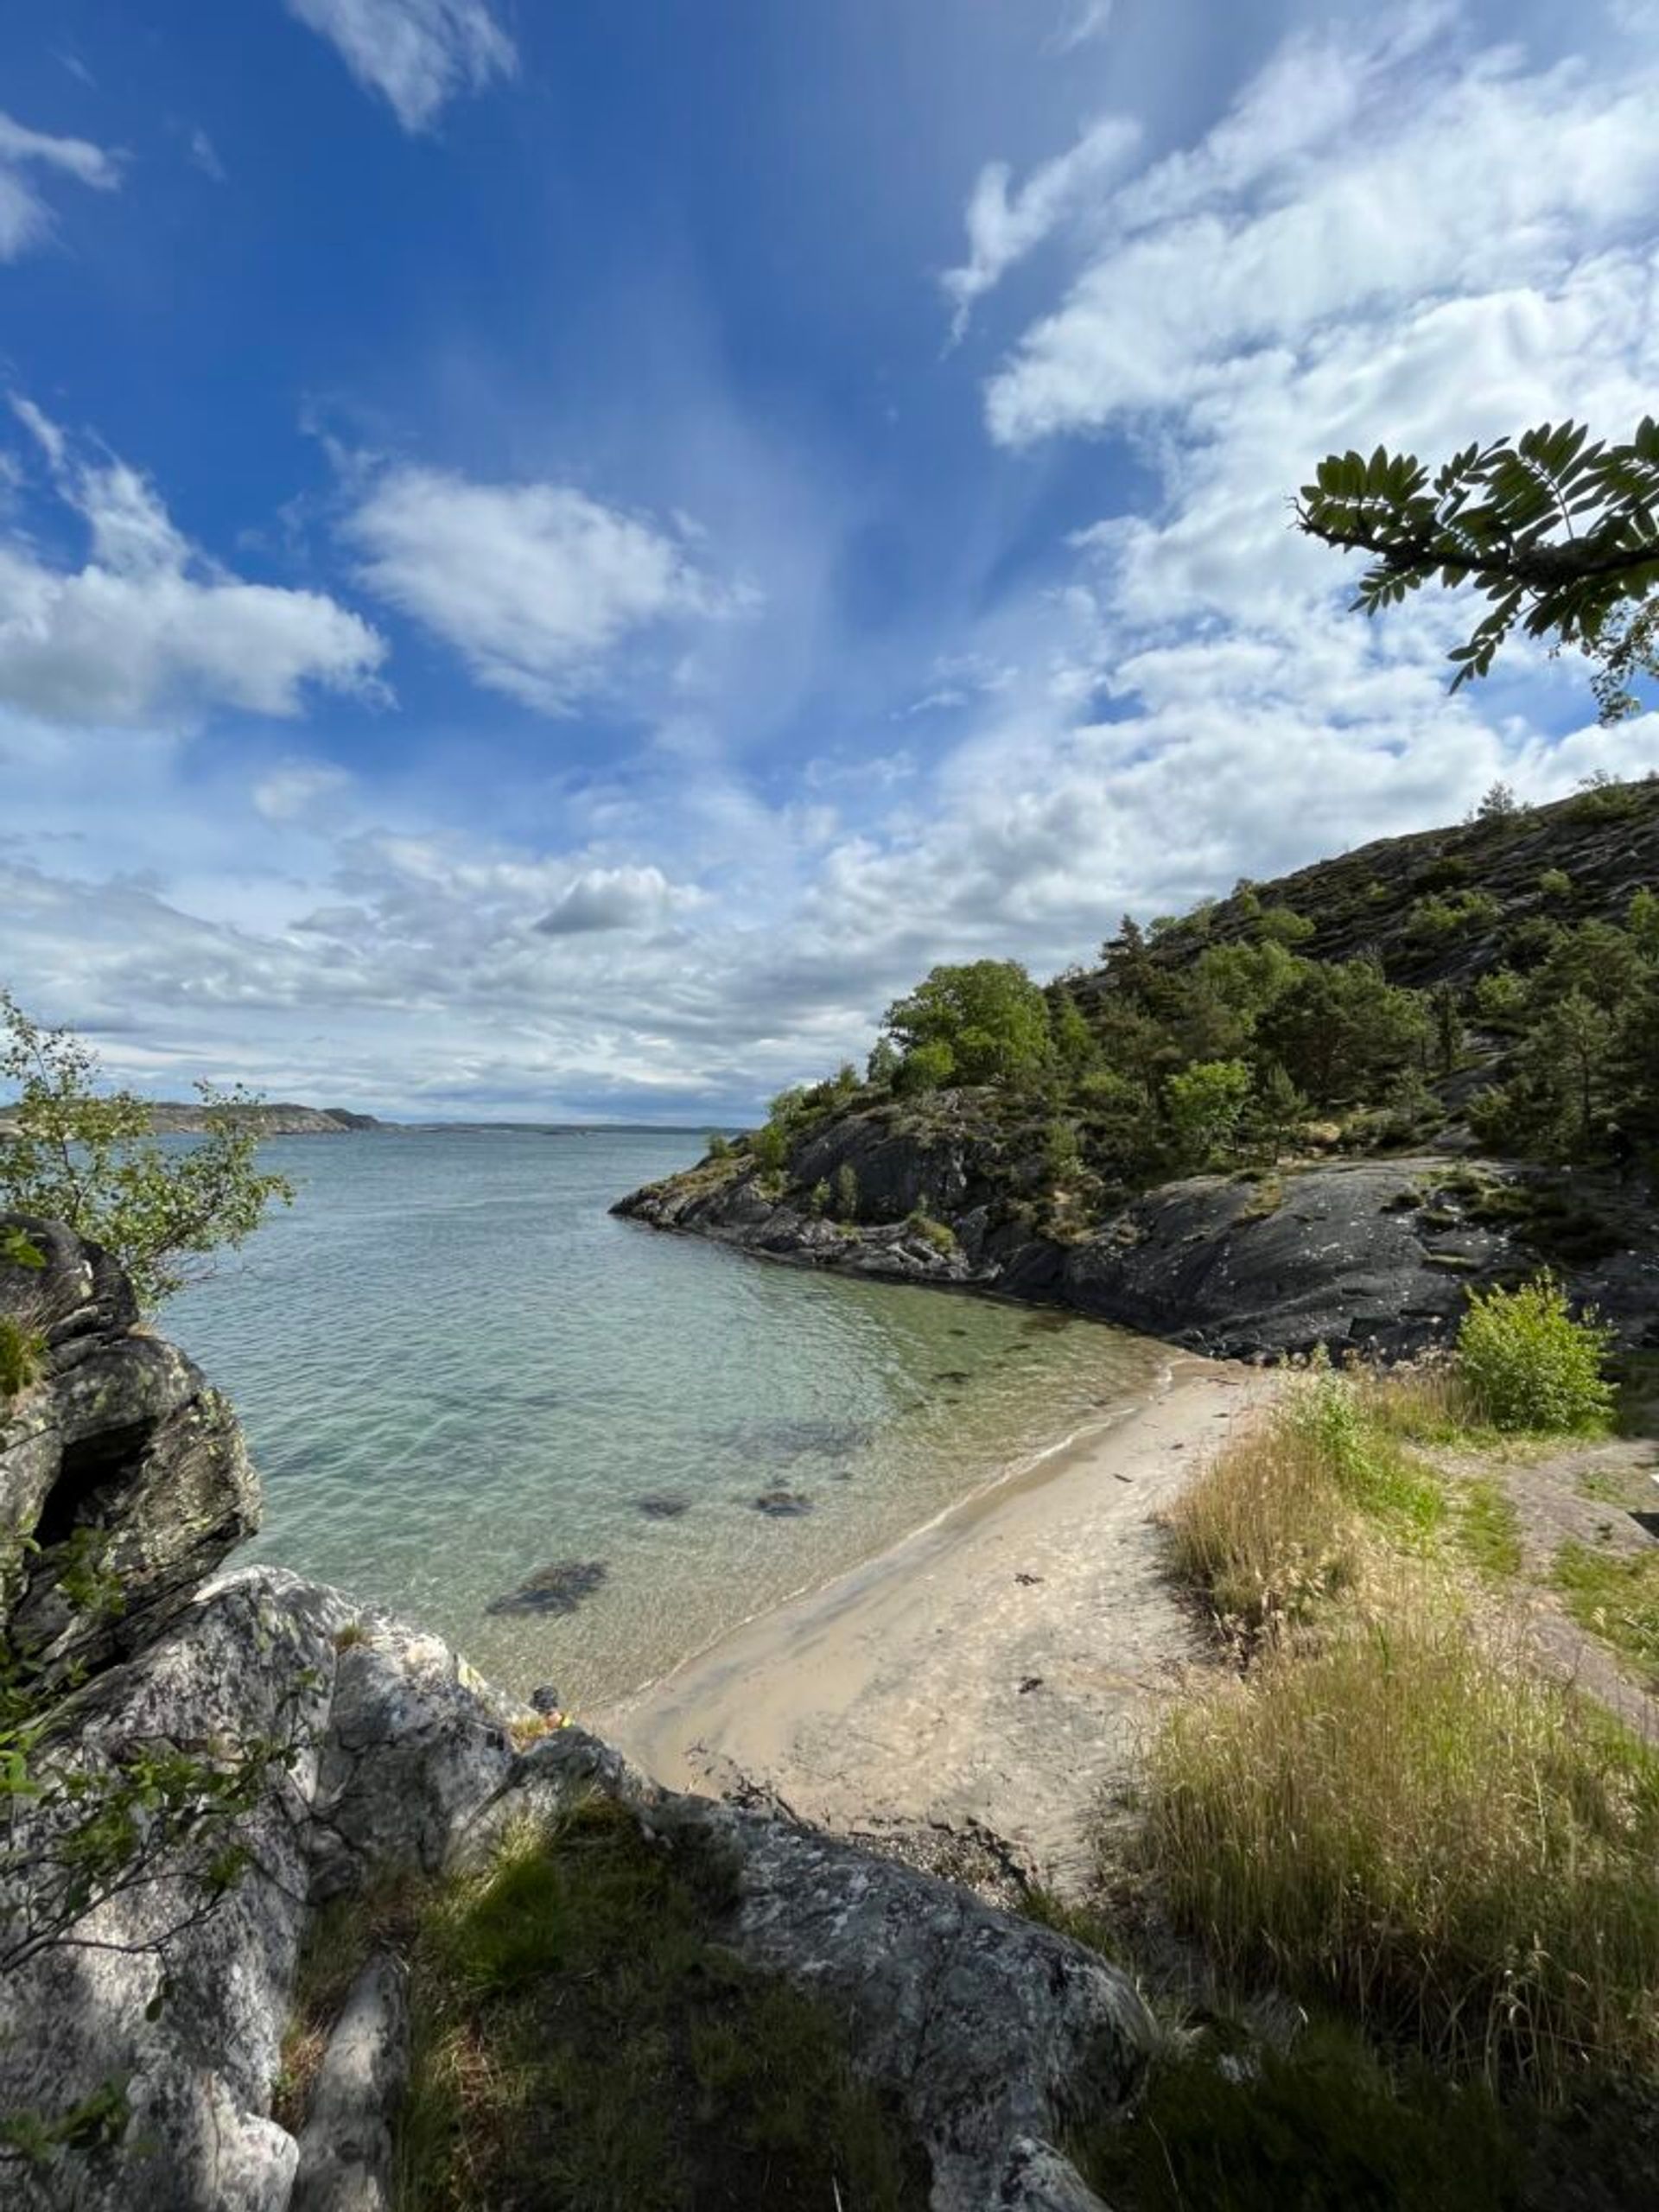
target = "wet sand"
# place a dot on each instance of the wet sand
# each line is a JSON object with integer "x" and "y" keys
{"x": 993, "y": 1668}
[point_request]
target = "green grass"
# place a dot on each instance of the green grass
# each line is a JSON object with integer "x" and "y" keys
{"x": 1615, "y": 1596}
{"x": 583, "y": 2044}
{"x": 1406, "y": 1823}
{"x": 1321, "y": 2127}
{"x": 1487, "y": 1530}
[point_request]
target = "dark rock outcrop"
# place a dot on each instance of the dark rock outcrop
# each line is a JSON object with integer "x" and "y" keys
{"x": 124, "y": 1477}
{"x": 1372, "y": 1254}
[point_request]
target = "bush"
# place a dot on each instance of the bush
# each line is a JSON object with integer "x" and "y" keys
{"x": 1528, "y": 1366}
{"x": 769, "y": 1148}
{"x": 846, "y": 1192}
{"x": 1555, "y": 883}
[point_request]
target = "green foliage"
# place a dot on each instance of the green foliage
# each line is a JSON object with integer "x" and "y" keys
{"x": 939, "y": 1234}
{"x": 1557, "y": 533}
{"x": 1555, "y": 883}
{"x": 1528, "y": 1366}
{"x": 769, "y": 1147}
{"x": 583, "y": 2038}
{"x": 1283, "y": 926}
{"x": 924, "y": 1068}
{"x": 719, "y": 1146}
{"x": 819, "y": 1198}
{"x": 82, "y": 1155}
{"x": 1206, "y": 1105}
{"x": 846, "y": 1192}
{"x": 22, "y": 1358}
{"x": 883, "y": 1064}
{"x": 988, "y": 1015}
{"x": 1433, "y": 917}
{"x": 1499, "y": 804}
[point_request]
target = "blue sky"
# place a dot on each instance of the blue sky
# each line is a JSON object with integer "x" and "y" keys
{"x": 554, "y": 556}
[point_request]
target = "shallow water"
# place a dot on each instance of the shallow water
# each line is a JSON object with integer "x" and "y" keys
{"x": 458, "y": 1373}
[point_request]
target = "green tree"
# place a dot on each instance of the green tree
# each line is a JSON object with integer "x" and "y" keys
{"x": 78, "y": 1154}
{"x": 1341, "y": 1030}
{"x": 883, "y": 1063}
{"x": 988, "y": 1015}
{"x": 1206, "y": 1103}
{"x": 1559, "y": 534}
{"x": 1075, "y": 1044}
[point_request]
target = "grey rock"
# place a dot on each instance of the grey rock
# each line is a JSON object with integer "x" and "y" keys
{"x": 416, "y": 1741}
{"x": 346, "y": 2149}
{"x": 993, "y": 2031}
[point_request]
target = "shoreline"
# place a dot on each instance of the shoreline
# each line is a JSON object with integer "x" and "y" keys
{"x": 992, "y": 1669}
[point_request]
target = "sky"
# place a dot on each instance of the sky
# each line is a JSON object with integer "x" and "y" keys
{"x": 554, "y": 557}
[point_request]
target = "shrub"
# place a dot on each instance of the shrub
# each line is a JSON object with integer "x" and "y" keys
{"x": 819, "y": 1201}
{"x": 1555, "y": 883}
{"x": 1528, "y": 1366}
{"x": 939, "y": 1234}
{"x": 846, "y": 1192}
{"x": 719, "y": 1146}
{"x": 769, "y": 1148}
{"x": 924, "y": 1067}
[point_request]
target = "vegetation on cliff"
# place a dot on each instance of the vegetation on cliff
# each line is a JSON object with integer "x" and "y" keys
{"x": 1499, "y": 979}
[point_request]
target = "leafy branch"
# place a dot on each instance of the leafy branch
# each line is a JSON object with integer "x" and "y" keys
{"x": 1558, "y": 533}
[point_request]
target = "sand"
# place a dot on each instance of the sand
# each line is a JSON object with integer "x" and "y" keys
{"x": 993, "y": 1670}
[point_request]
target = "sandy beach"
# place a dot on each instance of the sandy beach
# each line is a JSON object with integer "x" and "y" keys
{"x": 993, "y": 1667}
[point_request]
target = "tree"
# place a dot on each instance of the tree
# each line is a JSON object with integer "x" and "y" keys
{"x": 1559, "y": 536}
{"x": 988, "y": 1015}
{"x": 1206, "y": 1103}
{"x": 80, "y": 1154}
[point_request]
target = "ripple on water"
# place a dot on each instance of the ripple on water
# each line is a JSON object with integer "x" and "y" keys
{"x": 452, "y": 1364}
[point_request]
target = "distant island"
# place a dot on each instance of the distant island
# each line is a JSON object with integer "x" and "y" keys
{"x": 175, "y": 1117}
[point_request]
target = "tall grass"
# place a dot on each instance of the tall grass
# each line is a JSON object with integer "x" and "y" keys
{"x": 1387, "y": 1806}
{"x": 1406, "y": 1820}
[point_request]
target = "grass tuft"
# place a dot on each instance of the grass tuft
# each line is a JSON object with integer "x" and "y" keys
{"x": 1615, "y": 1596}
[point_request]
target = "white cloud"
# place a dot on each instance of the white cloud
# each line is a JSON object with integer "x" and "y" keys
{"x": 418, "y": 55}
{"x": 148, "y": 623}
{"x": 304, "y": 792}
{"x": 536, "y": 585}
{"x": 204, "y": 156}
{"x": 25, "y": 216}
{"x": 1003, "y": 228}
{"x": 1367, "y": 185}
{"x": 614, "y": 898}
{"x": 1083, "y": 20}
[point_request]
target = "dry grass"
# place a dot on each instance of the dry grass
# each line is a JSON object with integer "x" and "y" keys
{"x": 1387, "y": 1807}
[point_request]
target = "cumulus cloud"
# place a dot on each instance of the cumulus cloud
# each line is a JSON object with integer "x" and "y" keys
{"x": 614, "y": 898}
{"x": 1004, "y": 226}
{"x": 25, "y": 215}
{"x": 535, "y": 585}
{"x": 417, "y": 54}
{"x": 148, "y": 623}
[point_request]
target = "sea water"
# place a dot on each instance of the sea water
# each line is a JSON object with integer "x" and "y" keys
{"x": 459, "y": 1375}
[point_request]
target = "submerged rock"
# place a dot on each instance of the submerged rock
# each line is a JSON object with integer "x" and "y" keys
{"x": 557, "y": 1589}
{"x": 661, "y": 1509}
{"x": 783, "y": 1504}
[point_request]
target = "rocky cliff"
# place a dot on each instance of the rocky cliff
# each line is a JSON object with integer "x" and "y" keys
{"x": 1372, "y": 1255}
{"x": 272, "y": 1746}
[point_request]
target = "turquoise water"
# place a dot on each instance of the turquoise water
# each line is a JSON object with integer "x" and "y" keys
{"x": 456, "y": 1369}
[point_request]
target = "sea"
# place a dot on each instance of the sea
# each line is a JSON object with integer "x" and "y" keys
{"x": 578, "y": 1449}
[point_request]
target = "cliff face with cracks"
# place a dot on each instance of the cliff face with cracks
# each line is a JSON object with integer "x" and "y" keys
{"x": 141, "y": 2029}
{"x": 1375, "y": 1255}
